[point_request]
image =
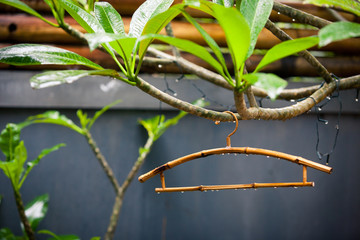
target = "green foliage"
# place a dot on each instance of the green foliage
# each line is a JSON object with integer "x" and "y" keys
{"x": 256, "y": 13}
{"x": 338, "y": 31}
{"x": 144, "y": 13}
{"x": 23, "y": 7}
{"x": 287, "y": 48}
{"x": 157, "y": 125}
{"x": 35, "y": 54}
{"x": 16, "y": 155}
{"x": 352, "y": 6}
{"x": 36, "y": 210}
{"x": 225, "y": 3}
{"x": 9, "y": 139}
{"x": 271, "y": 83}
{"x": 191, "y": 47}
{"x": 53, "y": 117}
{"x": 59, "y": 237}
{"x": 53, "y": 78}
{"x": 6, "y": 234}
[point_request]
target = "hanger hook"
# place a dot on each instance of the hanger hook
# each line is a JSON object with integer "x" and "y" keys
{"x": 228, "y": 140}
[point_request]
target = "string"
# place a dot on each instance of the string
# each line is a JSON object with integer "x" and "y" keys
{"x": 318, "y": 109}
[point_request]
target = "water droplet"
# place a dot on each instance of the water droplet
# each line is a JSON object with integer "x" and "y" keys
{"x": 295, "y": 187}
{"x": 244, "y": 189}
{"x": 176, "y": 80}
{"x": 255, "y": 189}
{"x": 235, "y": 154}
{"x": 202, "y": 98}
{"x": 217, "y": 122}
{"x": 337, "y": 126}
{"x": 328, "y": 98}
{"x": 175, "y": 94}
{"x": 236, "y": 189}
{"x": 212, "y": 190}
{"x": 275, "y": 187}
{"x": 158, "y": 192}
{"x": 217, "y": 190}
{"x": 278, "y": 158}
{"x": 222, "y": 154}
{"x": 293, "y": 19}
{"x": 278, "y": 12}
{"x": 319, "y": 108}
{"x": 182, "y": 191}
{"x": 247, "y": 155}
{"x": 228, "y": 153}
{"x": 356, "y": 99}
{"x": 159, "y": 66}
{"x": 234, "y": 121}
{"x": 326, "y": 122}
{"x": 205, "y": 190}
{"x": 267, "y": 156}
{"x": 292, "y": 100}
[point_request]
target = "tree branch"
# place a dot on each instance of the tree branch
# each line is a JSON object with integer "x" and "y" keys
{"x": 21, "y": 210}
{"x": 323, "y": 72}
{"x": 104, "y": 164}
{"x": 120, "y": 195}
{"x": 300, "y": 16}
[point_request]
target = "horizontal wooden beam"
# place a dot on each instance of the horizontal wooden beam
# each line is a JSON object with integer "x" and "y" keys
{"x": 128, "y": 7}
{"x": 342, "y": 66}
{"x": 22, "y": 28}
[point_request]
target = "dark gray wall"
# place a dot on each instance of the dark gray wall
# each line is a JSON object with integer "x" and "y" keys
{"x": 81, "y": 197}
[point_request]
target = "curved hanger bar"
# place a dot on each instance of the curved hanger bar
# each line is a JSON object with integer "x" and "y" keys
{"x": 238, "y": 150}
{"x": 228, "y": 141}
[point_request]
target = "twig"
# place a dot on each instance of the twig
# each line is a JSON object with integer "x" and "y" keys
{"x": 336, "y": 15}
{"x": 300, "y": 16}
{"x": 323, "y": 72}
{"x": 104, "y": 164}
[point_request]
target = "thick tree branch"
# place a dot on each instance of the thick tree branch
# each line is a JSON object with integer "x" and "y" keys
{"x": 323, "y": 72}
{"x": 300, "y": 16}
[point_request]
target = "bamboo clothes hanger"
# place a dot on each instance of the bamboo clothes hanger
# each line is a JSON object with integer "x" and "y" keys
{"x": 235, "y": 150}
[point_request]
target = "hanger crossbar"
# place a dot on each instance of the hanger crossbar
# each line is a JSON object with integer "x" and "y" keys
{"x": 233, "y": 150}
{"x": 203, "y": 188}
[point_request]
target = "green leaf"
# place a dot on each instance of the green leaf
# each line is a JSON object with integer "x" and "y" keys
{"x": 95, "y": 238}
{"x": 36, "y": 210}
{"x": 225, "y": 3}
{"x": 338, "y": 31}
{"x": 256, "y": 13}
{"x": 109, "y": 18}
{"x": 35, "y": 54}
{"x": 155, "y": 24}
{"x": 85, "y": 19}
{"x": 211, "y": 43}
{"x": 23, "y": 7}
{"x": 122, "y": 44}
{"x": 272, "y": 84}
{"x": 9, "y": 140}
{"x": 54, "y": 117}
{"x": 102, "y": 111}
{"x": 6, "y": 234}
{"x": 14, "y": 168}
{"x": 287, "y": 48}
{"x": 53, "y": 78}
{"x": 236, "y": 30}
{"x": 189, "y": 47}
{"x": 157, "y": 125}
{"x": 33, "y": 163}
{"x": 144, "y": 13}
{"x": 352, "y": 6}
{"x": 59, "y": 237}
